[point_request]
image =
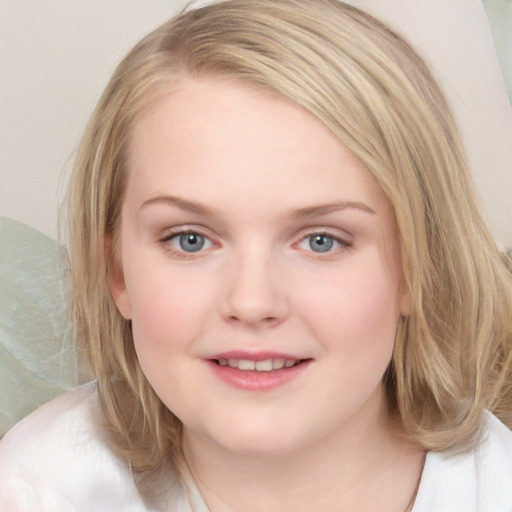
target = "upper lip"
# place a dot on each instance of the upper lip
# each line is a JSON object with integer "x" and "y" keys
{"x": 254, "y": 356}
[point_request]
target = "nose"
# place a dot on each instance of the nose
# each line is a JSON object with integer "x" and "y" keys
{"x": 254, "y": 293}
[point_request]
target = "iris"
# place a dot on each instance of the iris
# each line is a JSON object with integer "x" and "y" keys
{"x": 191, "y": 242}
{"x": 321, "y": 243}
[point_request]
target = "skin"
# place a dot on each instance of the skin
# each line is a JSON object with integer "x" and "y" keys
{"x": 251, "y": 175}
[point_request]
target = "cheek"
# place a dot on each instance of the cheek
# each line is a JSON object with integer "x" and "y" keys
{"x": 357, "y": 311}
{"x": 167, "y": 304}
{"x": 165, "y": 324}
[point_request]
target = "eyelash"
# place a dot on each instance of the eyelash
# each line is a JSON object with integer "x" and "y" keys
{"x": 166, "y": 242}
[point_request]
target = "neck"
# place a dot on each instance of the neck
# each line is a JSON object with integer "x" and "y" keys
{"x": 361, "y": 466}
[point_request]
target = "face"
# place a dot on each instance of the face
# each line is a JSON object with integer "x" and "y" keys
{"x": 259, "y": 269}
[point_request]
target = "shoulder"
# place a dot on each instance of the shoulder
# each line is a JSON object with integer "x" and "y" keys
{"x": 46, "y": 432}
{"x": 58, "y": 459}
{"x": 471, "y": 481}
{"x": 494, "y": 465}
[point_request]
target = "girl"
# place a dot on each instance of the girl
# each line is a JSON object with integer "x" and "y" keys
{"x": 282, "y": 280}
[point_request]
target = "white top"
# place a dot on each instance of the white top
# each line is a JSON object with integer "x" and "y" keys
{"x": 57, "y": 460}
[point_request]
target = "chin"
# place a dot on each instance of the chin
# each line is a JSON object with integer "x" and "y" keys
{"x": 258, "y": 446}
{"x": 259, "y": 438}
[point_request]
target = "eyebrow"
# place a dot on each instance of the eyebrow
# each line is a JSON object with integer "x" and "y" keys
{"x": 182, "y": 204}
{"x": 298, "y": 213}
{"x": 324, "y": 209}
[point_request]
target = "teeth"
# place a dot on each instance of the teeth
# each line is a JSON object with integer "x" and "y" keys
{"x": 277, "y": 364}
{"x": 262, "y": 366}
{"x": 245, "y": 364}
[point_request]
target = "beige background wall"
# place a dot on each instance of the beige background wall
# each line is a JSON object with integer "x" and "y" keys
{"x": 55, "y": 58}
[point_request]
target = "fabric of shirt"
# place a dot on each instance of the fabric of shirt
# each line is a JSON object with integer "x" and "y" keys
{"x": 58, "y": 460}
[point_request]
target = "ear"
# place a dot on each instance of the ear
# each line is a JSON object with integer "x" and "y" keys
{"x": 116, "y": 281}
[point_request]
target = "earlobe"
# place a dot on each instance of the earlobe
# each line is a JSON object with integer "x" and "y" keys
{"x": 116, "y": 280}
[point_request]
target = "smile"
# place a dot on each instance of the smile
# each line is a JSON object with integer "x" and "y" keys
{"x": 267, "y": 365}
{"x": 257, "y": 372}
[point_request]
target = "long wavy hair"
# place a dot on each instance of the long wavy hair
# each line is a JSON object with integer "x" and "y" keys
{"x": 452, "y": 356}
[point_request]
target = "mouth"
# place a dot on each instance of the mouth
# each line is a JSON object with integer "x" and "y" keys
{"x": 262, "y": 371}
{"x": 266, "y": 365}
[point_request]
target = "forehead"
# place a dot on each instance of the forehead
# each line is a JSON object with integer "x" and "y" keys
{"x": 213, "y": 135}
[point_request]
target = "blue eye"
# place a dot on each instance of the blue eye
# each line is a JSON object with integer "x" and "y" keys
{"x": 321, "y": 243}
{"x": 189, "y": 242}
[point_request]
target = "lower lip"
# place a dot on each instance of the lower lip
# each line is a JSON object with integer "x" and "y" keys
{"x": 254, "y": 380}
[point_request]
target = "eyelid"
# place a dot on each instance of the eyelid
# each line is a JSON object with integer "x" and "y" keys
{"x": 169, "y": 232}
{"x": 336, "y": 233}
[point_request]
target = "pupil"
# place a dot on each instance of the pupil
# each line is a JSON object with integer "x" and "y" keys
{"x": 191, "y": 242}
{"x": 321, "y": 243}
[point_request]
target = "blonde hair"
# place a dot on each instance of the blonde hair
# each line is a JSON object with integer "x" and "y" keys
{"x": 452, "y": 355}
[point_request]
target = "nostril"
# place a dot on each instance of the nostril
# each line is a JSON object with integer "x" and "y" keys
{"x": 253, "y": 319}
